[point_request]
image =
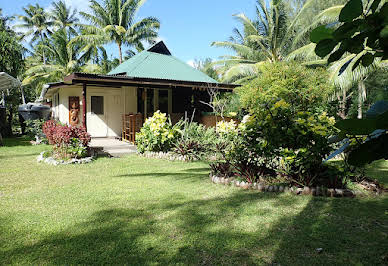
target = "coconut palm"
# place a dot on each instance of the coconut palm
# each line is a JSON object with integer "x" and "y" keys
{"x": 63, "y": 58}
{"x": 64, "y": 17}
{"x": 270, "y": 37}
{"x": 36, "y": 23}
{"x": 114, "y": 21}
{"x": 344, "y": 80}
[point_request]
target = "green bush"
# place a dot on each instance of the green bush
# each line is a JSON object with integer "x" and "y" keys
{"x": 196, "y": 141}
{"x": 288, "y": 130}
{"x": 303, "y": 88}
{"x": 157, "y": 134}
{"x": 34, "y": 129}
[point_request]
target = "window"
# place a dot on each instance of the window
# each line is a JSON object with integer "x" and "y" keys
{"x": 97, "y": 105}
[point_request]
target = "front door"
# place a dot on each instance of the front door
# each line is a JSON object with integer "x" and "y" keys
{"x": 97, "y": 115}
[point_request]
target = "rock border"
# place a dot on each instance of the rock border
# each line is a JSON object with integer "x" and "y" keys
{"x": 167, "y": 156}
{"x": 314, "y": 191}
{"x": 52, "y": 161}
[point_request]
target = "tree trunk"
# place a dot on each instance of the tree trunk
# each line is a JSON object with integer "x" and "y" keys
{"x": 342, "y": 105}
{"x": 361, "y": 98}
{"x": 44, "y": 58}
{"x": 120, "y": 53}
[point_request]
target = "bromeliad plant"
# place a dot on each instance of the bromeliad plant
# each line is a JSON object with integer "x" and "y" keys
{"x": 157, "y": 134}
{"x": 67, "y": 141}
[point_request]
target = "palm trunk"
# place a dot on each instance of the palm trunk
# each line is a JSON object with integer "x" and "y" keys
{"x": 342, "y": 105}
{"x": 361, "y": 98}
{"x": 120, "y": 53}
{"x": 44, "y": 58}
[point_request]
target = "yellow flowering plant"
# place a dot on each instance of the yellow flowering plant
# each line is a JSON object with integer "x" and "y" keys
{"x": 157, "y": 134}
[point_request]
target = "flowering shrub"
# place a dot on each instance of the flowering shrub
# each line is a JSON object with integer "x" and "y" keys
{"x": 157, "y": 134}
{"x": 67, "y": 141}
{"x": 224, "y": 128}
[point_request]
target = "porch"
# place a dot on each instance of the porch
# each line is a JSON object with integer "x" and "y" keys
{"x": 111, "y": 147}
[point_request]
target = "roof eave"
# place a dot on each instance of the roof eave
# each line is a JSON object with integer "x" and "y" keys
{"x": 84, "y": 77}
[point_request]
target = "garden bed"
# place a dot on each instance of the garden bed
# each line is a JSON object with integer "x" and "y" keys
{"x": 314, "y": 191}
{"x": 52, "y": 161}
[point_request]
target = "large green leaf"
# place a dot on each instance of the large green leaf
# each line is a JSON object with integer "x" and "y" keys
{"x": 324, "y": 47}
{"x": 351, "y": 10}
{"x": 357, "y": 126}
{"x": 375, "y": 5}
{"x": 371, "y": 150}
{"x": 321, "y": 33}
{"x": 377, "y": 109}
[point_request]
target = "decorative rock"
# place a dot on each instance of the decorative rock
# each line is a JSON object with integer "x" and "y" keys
{"x": 216, "y": 179}
{"x": 314, "y": 191}
{"x": 266, "y": 187}
{"x": 339, "y": 192}
{"x": 275, "y": 188}
{"x": 331, "y": 192}
{"x": 348, "y": 193}
{"x": 281, "y": 188}
{"x": 245, "y": 185}
{"x": 40, "y": 157}
{"x": 237, "y": 183}
{"x": 306, "y": 191}
{"x": 270, "y": 188}
{"x": 298, "y": 191}
{"x": 260, "y": 187}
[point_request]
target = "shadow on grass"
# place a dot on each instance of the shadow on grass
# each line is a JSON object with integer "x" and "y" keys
{"x": 379, "y": 171}
{"x": 207, "y": 231}
{"x": 18, "y": 155}
{"x": 17, "y": 141}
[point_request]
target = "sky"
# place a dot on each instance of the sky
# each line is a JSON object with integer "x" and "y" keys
{"x": 188, "y": 27}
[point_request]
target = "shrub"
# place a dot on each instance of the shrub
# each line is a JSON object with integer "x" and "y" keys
{"x": 48, "y": 129}
{"x": 221, "y": 169}
{"x": 288, "y": 130}
{"x": 303, "y": 88}
{"x": 34, "y": 129}
{"x": 191, "y": 149}
{"x": 67, "y": 141}
{"x": 196, "y": 140}
{"x": 157, "y": 134}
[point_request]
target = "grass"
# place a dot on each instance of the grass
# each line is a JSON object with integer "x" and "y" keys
{"x": 136, "y": 210}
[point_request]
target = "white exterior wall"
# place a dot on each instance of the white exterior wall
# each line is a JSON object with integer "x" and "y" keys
{"x": 117, "y": 101}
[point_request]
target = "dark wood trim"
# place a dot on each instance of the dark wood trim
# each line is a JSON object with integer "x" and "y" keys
{"x": 80, "y": 77}
{"x": 84, "y": 106}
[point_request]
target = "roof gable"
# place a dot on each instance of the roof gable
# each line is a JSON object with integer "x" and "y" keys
{"x": 158, "y": 63}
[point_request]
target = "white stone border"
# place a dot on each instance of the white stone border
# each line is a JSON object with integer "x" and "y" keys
{"x": 314, "y": 191}
{"x": 52, "y": 161}
{"x": 167, "y": 156}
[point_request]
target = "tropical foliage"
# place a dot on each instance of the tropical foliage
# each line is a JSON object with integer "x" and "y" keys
{"x": 114, "y": 21}
{"x": 157, "y": 134}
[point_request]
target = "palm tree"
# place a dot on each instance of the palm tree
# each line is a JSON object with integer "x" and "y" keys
{"x": 344, "y": 80}
{"x": 64, "y": 17}
{"x": 37, "y": 24}
{"x": 270, "y": 37}
{"x": 114, "y": 21}
{"x": 63, "y": 59}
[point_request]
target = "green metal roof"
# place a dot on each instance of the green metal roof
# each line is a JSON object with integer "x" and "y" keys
{"x": 158, "y": 63}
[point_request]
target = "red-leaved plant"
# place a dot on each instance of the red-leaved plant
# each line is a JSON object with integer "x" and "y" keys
{"x": 63, "y": 137}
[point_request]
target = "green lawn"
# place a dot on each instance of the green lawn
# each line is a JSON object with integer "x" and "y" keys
{"x": 137, "y": 210}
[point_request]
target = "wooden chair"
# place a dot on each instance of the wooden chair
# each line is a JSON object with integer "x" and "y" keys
{"x": 132, "y": 124}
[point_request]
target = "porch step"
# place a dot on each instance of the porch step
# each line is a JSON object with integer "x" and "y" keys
{"x": 113, "y": 147}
